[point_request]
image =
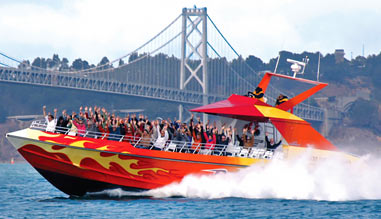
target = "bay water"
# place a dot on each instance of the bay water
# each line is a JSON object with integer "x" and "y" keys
{"x": 299, "y": 189}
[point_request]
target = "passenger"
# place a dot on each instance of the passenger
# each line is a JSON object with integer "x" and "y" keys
{"x": 130, "y": 133}
{"x": 232, "y": 147}
{"x": 145, "y": 141}
{"x": 257, "y": 130}
{"x": 248, "y": 140}
{"x": 162, "y": 138}
{"x": 101, "y": 128}
{"x": 146, "y": 138}
{"x": 171, "y": 130}
{"x": 180, "y": 137}
{"x": 239, "y": 140}
{"x": 61, "y": 126}
{"x": 196, "y": 133}
{"x": 91, "y": 127}
{"x": 72, "y": 128}
{"x": 197, "y": 141}
{"x": 122, "y": 127}
{"x": 114, "y": 130}
{"x": 81, "y": 127}
{"x": 270, "y": 143}
{"x": 50, "y": 120}
{"x": 258, "y": 94}
{"x": 210, "y": 140}
{"x": 281, "y": 99}
{"x": 221, "y": 144}
{"x": 154, "y": 130}
{"x": 223, "y": 140}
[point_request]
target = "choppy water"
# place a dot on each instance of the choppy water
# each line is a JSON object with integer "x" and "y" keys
{"x": 282, "y": 189}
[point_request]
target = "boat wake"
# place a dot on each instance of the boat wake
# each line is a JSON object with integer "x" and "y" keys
{"x": 331, "y": 180}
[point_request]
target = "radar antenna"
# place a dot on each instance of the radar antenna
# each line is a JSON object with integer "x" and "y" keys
{"x": 297, "y": 65}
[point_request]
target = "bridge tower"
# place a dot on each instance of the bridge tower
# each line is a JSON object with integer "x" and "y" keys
{"x": 190, "y": 47}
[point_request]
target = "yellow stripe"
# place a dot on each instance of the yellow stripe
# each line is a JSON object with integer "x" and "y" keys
{"x": 273, "y": 112}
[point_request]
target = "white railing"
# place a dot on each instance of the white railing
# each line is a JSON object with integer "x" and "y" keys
{"x": 174, "y": 146}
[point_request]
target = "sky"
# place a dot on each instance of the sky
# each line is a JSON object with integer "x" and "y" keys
{"x": 92, "y": 29}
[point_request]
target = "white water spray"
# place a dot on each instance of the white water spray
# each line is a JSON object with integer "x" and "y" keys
{"x": 332, "y": 180}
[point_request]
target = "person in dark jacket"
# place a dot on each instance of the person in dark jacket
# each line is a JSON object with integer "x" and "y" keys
{"x": 270, "y": 145}
{"x": 258, "y": 94}
{"x": 281, "y": 99}
{"x": 62, "y": 122}
{"x": 181, "y": 136}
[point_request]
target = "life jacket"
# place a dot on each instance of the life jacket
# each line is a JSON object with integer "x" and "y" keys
{"x": 280, "y": 101}
{"x": 259, "y": 95}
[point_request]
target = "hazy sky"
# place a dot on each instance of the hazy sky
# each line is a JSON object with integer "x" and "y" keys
{"x": 91, "y": 29}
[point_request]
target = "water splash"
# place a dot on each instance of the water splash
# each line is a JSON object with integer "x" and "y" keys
{"x": 332, "y": 179}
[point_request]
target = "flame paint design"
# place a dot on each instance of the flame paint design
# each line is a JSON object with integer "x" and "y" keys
{"x": 108, "y": 161}
{"x": 104, "y": 161}
{"x": 114, "y": 162}
{"x": 83, "y": 142}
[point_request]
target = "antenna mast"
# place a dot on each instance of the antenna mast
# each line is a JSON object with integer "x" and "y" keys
{"x": 277, "y": 62}
{"x": 318, "y": 71}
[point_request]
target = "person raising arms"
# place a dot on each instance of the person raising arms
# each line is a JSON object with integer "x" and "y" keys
{"x": 50, "y": 120}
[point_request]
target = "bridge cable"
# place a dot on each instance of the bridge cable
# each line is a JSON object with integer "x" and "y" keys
{"x": 277, "y": 90}
{"x": 90, "y": 70}
{"x": 223, "y": 36}
{"x": 5, "y": 65}
{"x": 13, "y": 59}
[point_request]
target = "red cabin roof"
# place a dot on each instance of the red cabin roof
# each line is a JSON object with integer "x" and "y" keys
{"x": 295, "y": 130}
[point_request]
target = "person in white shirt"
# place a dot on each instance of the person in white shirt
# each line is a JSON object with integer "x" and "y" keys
{"x": 51, "y": 120}
{"x": 162, "y": 137}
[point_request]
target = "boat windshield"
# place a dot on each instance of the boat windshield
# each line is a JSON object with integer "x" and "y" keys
{"x": 233, "y": 149}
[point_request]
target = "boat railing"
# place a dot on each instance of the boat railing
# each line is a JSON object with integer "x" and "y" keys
{"x": 170, "y": 145}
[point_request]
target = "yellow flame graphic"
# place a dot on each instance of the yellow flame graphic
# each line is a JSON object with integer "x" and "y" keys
{"x": 76, "y": 156}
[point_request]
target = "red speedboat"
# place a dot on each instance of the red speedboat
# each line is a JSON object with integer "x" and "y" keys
{"x": 81, "y": 164}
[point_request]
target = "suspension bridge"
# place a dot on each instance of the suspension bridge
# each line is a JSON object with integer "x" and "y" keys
{"x": 188, "y": 62}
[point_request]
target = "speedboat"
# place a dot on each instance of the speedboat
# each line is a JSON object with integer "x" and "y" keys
{"x": 95, "y": 162}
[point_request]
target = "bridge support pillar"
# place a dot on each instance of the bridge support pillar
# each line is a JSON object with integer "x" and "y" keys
{"x": 194, "y": 56}
{"x": 181, "y": 109}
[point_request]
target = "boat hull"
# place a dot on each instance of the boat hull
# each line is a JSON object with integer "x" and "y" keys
{"x": 77, "y": 167}
{"x": 80, "y": 165}
{"x": 77, "y": 186}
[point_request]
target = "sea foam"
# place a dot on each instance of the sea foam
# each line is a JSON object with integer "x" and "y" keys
{"x": 330, "y": 179}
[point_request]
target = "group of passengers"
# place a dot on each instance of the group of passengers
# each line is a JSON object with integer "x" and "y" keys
{"x": 190, "y": 137}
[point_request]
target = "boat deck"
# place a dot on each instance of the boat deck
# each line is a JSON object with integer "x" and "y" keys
{"x": 258, "y": 151}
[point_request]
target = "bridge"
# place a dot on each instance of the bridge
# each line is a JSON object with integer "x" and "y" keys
{"x": 189, "y": 62}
